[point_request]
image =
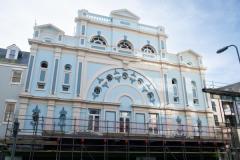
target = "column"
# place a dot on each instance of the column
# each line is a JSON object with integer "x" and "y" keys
{"x": 22, "y": 112}
{"x": 189, "y": 124}
{"x": 76, "y": 117}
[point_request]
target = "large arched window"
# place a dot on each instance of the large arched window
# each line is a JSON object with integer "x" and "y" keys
{"x": 194, "y": 92}
{"x": 175, "y": 90}
{"x": 148, "y": 49}
{"x": 99, "y": 40}
{"x": 125, "y": 44}
{"x": 42, "y": 76}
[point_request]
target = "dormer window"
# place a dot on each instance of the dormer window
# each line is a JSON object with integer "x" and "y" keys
{"x": 148, "y": 49}
{"x": 12, "y": 54}
{"x": 125, "y": 44}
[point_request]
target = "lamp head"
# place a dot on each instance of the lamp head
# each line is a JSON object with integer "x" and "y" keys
{"x": 222, "y": 50}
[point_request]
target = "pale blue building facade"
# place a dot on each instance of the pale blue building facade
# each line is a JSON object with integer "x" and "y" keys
{"x": 115, "y": 70}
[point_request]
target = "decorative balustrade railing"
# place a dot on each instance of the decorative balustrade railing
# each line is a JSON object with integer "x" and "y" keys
{"x": 136, "y": 26}
{"x": 69, "y": 127}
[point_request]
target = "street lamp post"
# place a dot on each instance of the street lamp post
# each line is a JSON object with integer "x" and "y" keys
{"x": 226, "y": 47}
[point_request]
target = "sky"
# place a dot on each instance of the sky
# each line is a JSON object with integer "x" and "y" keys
{"x": 201, "y": 25}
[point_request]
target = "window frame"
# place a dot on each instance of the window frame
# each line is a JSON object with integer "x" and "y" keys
{"x": 13, "y": 70}
{"x": 45, "y": 77}
{"x": 149, "y": 48}
{"x": 63, "y": 78}
{"x": 128, "y": 43}
{"x": 194, "y": 88}
{"x": 100, "y": 38}
{"x": 6, "y": 104}
{"x": 175, "y": 85}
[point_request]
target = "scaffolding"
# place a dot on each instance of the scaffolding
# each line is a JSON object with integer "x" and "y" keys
{"x": 62, "y": 138}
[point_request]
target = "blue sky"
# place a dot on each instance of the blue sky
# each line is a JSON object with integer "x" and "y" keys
{"x": 201, "y": 25}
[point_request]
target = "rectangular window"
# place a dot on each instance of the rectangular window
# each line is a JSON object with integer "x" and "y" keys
{"x": 42, "y": 75}
{"x": 216, "y": 120}
{"x": 176, "y": 99}
{"x": 195, "y": 101}
{"x": 162, "y": 44}
{"x": 60, "y": 37}
{"x": 83, "y": 29}
{"x": 66, "y": 82}
{"x": 194, "y": 93}
{"x": 163, "y": 55}
{"x": 9, "y": 112}
{"x": 66, "y": 78}
{"x": 82, "y": 41}
{"x": 42, "y": 79}
{"x": 36, "y": 33}
{"x": 214, "y": 106}
{"x": 16, "y": 76}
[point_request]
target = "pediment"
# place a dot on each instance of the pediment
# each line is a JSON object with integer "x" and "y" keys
{"x": 49, "y": 26}
{"x": 124, "y": 14}
{"x": 189, "y": 51}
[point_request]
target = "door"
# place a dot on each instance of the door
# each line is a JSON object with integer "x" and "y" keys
{"x": 124, "y": 122}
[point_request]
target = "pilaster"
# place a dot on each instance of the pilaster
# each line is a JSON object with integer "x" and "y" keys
{"x": 22, "y": 111}
{"x": 50, "y": 115}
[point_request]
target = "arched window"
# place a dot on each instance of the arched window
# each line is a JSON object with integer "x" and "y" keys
{"x": 194, "y": 92}
{"x": 66, "y": 78}
{"x": 67, "y": 67}
{"x": 175, "y": 90}
{"x": 42, "y": 78}
{"x": 44, "y": 64}
{"x": 99, "y": 40}
{"x": 148, "y": 49}
{"x": 125, "y": 44}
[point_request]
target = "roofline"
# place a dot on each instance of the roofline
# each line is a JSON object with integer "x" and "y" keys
{"x": 190, "y": 50}
{"x": 124, "y": 9}
{"x": 49, "y": 24}
{"x": 221, "y": 92}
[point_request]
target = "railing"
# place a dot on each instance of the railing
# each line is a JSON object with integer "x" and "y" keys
{"x": 136, "y": 26}
{"x": 46, "y": 126}
{"x": 98, "y": 18}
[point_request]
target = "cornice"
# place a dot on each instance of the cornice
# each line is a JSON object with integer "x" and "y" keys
{"x": 78, "y": 100}
{"x": 110, "y": 54}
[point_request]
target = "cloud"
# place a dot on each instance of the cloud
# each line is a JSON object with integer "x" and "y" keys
{"x": 203, "y": 26}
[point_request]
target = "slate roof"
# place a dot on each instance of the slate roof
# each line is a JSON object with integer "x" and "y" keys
{"x": 22, "y": 59}
{"x": 229, "y": 90}
{"x": 232, "y": 87}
